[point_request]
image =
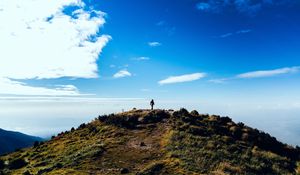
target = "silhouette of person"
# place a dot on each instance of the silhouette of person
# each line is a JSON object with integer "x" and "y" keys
{"x": 152, "y": 104}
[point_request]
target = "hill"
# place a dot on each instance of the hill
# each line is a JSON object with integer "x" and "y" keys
{"x": 144, "y": 142}
{"x": 10, "y": 141}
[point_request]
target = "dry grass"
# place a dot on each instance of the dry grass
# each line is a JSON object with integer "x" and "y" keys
{"x": 148, "y": 142}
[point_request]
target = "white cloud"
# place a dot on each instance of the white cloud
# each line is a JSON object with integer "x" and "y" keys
{"x": 121, "y": 74}
{"x": 268, "y": 73}
{"x": 182, "y": 78}
{"x": 10, "y": 87}
{"x": 40, "y": 41}
{"x": 154, "y": 44}
{"x": 142, "y": 58}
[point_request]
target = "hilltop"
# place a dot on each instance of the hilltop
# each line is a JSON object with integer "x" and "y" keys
{"x": 11, "y": 140}
{"x": 144, "y": 142}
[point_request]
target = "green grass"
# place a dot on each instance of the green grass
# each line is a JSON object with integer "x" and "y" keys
{"x": 157, "y": 142}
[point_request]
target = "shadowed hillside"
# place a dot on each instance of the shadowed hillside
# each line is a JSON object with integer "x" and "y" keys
{"x": 10, "y": 141}
{"x": 144, "y": 142}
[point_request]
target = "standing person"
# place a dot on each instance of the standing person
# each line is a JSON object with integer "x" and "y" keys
{"x": 152, "y": 104}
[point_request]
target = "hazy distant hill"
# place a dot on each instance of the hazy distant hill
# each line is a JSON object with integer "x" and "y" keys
{"x": 144, "y": 142}
{"x": 10, "y": 141}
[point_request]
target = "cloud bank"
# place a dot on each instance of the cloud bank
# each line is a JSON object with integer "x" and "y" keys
{"x": 47, "y": 40}
{"x": 182, "y": 78}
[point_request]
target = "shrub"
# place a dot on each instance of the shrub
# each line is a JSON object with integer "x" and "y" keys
{"x": 58, "y": 165}
{"x": 36, "y": 144}
{"x": 154, "y": 168}
{"x": 124, "y": 171}
{"x": 225, "y": 120}
{"x": 236, "y": 132}
{"x": 196, "y": 130}
{"x": 27, "y": 173}
{"x": 2, "y": 164}
{"x": 245, "y": 136}
{"x": 183, "y": 111}
{"x": 194, "y": 113}
{"x": 17, "y": 163}
{"x": 241, "y": 124}
{"x": 83, "y": 125}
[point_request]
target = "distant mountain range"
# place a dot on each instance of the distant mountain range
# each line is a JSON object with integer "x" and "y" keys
{"x": 10, "y": 141}
{"x": 156, "y": 142}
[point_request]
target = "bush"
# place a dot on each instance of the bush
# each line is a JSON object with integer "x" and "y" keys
{"x": 58, "y": 165}
{"x": 196, "y": 130}
{"x": 17, "y": 163}
{"x": 183, "y": 111}
{"x": 236, "y": 132}
{"x": 241, "y": 124}
{"x": 124, "y": 171}
{"x": 83, "y": 125}
{"x": 225, "y": 120}
{"x": 36, "y": 144}
{"x": 194, "y": 113}
{"x": 27, "y": 173}
{"x": 2, "y": 164}
{"x": 154, "y": 168}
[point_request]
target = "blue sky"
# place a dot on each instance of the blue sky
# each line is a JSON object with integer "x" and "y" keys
{"x": 221, "y": 42}
{"x": 145, "y": 42}
{"x": 230, "y": 57}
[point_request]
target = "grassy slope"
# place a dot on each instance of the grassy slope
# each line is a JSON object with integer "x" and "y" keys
{"x": 158, "y": 142}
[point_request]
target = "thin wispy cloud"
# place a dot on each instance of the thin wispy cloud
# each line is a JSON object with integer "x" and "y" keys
{"x": 169, "y": 29}
{"x": 182, "y": 78}
{"x": 43, "y": 42}
{"x": 258, "y": 74}
{"x": 268, "y": 73}
{"x": 161, "y": 23}
{"x": 243, "y": 31}
{"x": 226, "y": 35}
{"x": 218, "y": 81}
{"x": 239, "y": 32}
{"x": 154, "y": 44}
{"x": 145, "y": 90}
{"x": 141, "y": 58}
{"x": 247, "y": 7}
{"x": 204, "y": 6}
{"x": 122, "y": 73}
